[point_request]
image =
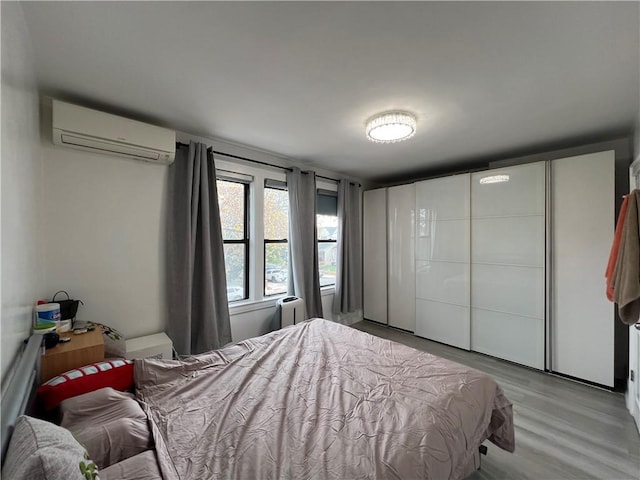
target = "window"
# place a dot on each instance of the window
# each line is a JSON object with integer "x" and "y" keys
{"x": 276, "y": 234}
{"x": 254, "y": 214}
{"x": 233, "y": 198}
{"x": 327, "y": 224}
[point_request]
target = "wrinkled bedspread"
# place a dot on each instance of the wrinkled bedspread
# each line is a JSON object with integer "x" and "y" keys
{"x": 319, "y": 400}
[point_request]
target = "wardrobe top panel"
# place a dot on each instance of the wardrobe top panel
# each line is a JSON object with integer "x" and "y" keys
{"x": 521, "y": 193}
{"x": 443, "y": 198}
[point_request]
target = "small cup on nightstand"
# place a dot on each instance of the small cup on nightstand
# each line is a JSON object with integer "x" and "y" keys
{"x": 64, "y": 326}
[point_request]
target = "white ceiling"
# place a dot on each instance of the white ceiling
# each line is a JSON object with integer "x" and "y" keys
{"x": 486, "y": 80}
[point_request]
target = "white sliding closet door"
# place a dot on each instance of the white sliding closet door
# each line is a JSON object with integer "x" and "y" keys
{"x": 583, "y": 215}
{"x": 401, "y": 264}
{"x": 508, "y": 264}
{"x": 442, "y": 260}
{"x": 374, "y": 238}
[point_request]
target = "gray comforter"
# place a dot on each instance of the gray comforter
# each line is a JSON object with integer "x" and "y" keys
{"x": 320, "y": 400}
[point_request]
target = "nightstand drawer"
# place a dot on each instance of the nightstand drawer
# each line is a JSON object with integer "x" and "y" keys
{"x": 81, "y": 350}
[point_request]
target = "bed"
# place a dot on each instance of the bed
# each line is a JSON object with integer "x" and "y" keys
{"x": 318, "y": 400}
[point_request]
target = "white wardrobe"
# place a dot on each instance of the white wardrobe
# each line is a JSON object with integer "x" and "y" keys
{"x": 582, "y": 226}
{"x": 480, "y": 262}
{"x": 508, "y": 262}
{"x": 389, "y": 266}
{"x": 401, "y": 275}
{"x": 443, "y": 260}
{"x": 374, "y": 254}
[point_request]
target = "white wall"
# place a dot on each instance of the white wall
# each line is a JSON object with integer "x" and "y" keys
{"x": 104, "y": 224}
{"x": 636, "y": 143}
{"x": 105, "y": 230}
{"x": 20, "y": 186}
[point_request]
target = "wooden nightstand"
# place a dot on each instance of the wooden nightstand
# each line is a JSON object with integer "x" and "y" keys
{"x": 81, "y": 350}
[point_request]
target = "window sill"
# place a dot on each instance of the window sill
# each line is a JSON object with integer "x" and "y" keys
{"x": 328, "y": 290}
{"x": 245, "y": 306}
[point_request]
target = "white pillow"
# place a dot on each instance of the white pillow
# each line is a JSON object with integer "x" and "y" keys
{"x": 40, "y": 450}
{"x": 110, "y": 424}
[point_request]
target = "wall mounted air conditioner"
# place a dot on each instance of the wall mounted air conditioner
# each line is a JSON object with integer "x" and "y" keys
{"x": 99, "y": 132}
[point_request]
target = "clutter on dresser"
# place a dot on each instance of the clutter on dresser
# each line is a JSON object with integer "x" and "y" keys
{"x": 51, "y": 339}
{"x": 55, "y": 315}
{"x": 68, "y": 307}
{"x": 46, "y": 317}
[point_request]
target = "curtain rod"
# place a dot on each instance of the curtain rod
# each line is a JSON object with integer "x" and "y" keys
{"x": 180, "y": 144}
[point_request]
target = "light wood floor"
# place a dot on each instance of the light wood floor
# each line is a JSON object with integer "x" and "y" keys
{"x": 564, "y": 429}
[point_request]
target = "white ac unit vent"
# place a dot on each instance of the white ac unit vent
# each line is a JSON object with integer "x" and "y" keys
{"x": 99, "y": 132}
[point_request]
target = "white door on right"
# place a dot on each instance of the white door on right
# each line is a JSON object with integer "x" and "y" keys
{"x": 582, "y": 216}
{"x": 634, "y": 364}
{"x": 633, "y": 382}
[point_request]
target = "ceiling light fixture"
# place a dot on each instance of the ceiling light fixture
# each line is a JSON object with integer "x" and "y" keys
{"x": 494, "y": 179}
{"x": 391, "y": 127}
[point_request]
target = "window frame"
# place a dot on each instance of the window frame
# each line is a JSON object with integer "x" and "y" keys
{"x": 246, "y": 240}
{"x": 274, "y": 185}
{"x": 331, "y": 193}
{"x": 254, "y": 176}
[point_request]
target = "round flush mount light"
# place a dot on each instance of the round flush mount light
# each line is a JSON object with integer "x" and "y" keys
{"x": 391, "y": 127}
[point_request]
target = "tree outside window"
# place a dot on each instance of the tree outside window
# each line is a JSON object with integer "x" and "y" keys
{"x": 233, "y": 201}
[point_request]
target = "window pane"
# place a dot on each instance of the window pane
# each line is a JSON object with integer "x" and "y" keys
{"x": 234, "y": 258}
{"x": 327, "y": 227}
{"x": 231, "y": 201}
{"x": 327, "y": 251}
{"x": 327, "y": 256}
{"x": 276, "y": 214}
{"x": 276, "y": 272}
{"x": 327, "y": 203}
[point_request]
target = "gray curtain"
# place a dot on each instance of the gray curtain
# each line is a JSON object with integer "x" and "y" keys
{"x": 197, "y": 286}
{"x": 348, "y": 295}
{"x": 304, "y": 277}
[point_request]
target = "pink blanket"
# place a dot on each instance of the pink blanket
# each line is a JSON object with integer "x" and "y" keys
{"x": 320, "y": 400}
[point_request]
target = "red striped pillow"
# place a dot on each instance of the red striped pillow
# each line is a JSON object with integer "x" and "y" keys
{"x": 117, "y": 374}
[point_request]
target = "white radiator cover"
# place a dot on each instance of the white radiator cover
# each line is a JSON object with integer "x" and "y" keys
{"x": 291, "y": 311}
